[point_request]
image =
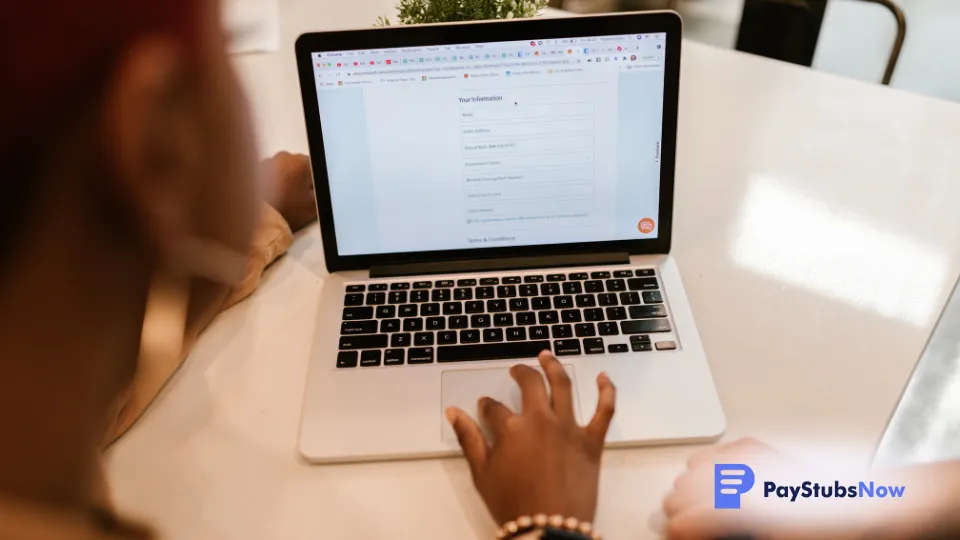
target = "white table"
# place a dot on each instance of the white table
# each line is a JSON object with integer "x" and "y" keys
{"x": 817, "y": 233}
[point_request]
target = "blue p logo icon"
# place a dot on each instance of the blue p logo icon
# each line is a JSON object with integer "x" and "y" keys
{"x": 730, "y": 481}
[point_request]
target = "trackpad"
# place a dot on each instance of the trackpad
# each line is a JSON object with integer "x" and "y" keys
{"x": 462, "y": 388}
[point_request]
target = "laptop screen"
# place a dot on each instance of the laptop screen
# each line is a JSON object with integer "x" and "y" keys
{"x": 482, "y": 145}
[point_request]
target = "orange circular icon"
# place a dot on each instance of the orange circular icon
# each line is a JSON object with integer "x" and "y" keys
{"x": 646, "y": 225}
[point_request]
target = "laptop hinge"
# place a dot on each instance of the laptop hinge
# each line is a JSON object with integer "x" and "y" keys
{"x": 489, "y": 265}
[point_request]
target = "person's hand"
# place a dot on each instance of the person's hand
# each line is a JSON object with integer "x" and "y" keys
{"x": 289, "y": 188}
{"x": 540, "y": 460}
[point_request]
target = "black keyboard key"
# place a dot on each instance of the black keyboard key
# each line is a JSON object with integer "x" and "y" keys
{"x": 475, "y": 306}
{"x": 566, "y": 347}
{"x": 356, "y": 288}
{"x": 623, "y": 273}
{"x": 423, "y": 339}
{"x": 607, "y": 299}
{"x": 643, "y": 284}
{"x": 646, "y": 272}
{"x": 490, "y": 281}
{"x": 452, "y": 308}
{"x": 484, "y": 293}
{"x": 389, "y": 325}
{"x": 616, "y": 313}
{"x": 422, "y": 284}
{"x": 409, "y": 310}
{"x": 386, "y": 312}
{"x": 399, "y": 286}
{"x": 353, "y": 300}
{"x": 608, "y": 329}
{"x": 466, "y": 282}
{"x": 469, "y": 336}
{"x": 400, "y": 340}
{"x": 556, "y": 277}
{"x": 378, "y": 287}
{"x": 413, "y": 324}
{"x": 616, "y": 285}
{"x": 368, "y": 341}
{"x": 517, "y": 333}
{"x": 440, "y": 295}
{"x": 503, "y": 319}
{"x": 348, "y": 328}
{"x": 493, "y": 334}
{"x": 572, "y": 287}
{"x": 570, "y": 315}
{"x": 593, "y": 346}
{"x": 585, "y": 329}
{"x": 443, "y": 283}
{"x": 641, "y": 346}
{"x": 419, "y": 296}
{"x": 548, "y": 317}
{"x": 539, "y": 332}
{"x": 447, "y": 337}
{"x": 532, "y": 279}
{"x": 347, "y": 359}
{"x": 561, "y": 331}
{"x": 492, "y": 351}
{"x": 595, "y": 314}
{"x": 496, "y": 306}
{"x": 652, "y": 297}
{"x": 357, "y": 313}
{"x": 629, "y": 298}
{"x": 527, "y": 318}
{"x": 480, "y": 321}
{"x": 647, "y": 312}
{"x": 563, "y": 302}
{"x": 436, "y": 323}
{"x": 541, "y": 302}
{"x": 429, "y": 309}
{"x": 519, "y": 304}
{"x": 599, "y": 275}
{"x": 579, "y": 276}
{"x": 593, "y": 286}
{"x": 549, "y": 289}
{"x": 617, "y": 348}
{"x": 376, "y": 298}
{"x": 646, "y": 326}
{"x": 506, "y": 291}
{"x": 393, "y": 357}
{"x": 511, "y": 280}
{"x": 459, "y": 321}
{"x": 420, "y": 355}
{"x": 640, "y": 339}
{"x": 528, "y": 290}
{"x": 369, "y": 358}
{"x": 586, "y": 300}
{"x": 463, "y": 294}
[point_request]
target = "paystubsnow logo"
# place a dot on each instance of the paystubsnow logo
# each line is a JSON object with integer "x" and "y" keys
{"x": 732, "y": 480}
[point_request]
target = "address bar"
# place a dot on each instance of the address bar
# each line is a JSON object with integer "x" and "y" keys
{"x": 462, "y": 67}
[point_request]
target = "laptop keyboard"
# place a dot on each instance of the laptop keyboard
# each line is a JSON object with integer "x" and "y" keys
{"x": 393, "y": 323}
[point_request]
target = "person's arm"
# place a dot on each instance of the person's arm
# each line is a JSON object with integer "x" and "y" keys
{"x": 289, "y": 187}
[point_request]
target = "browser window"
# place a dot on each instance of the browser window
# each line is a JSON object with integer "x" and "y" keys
{"x": 493, "y": 144}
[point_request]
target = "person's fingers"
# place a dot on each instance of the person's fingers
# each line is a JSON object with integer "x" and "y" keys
{"x": 471, "y": 439}
{"x": 689, "y": 489}
{"x": 533, "y": 391}
{"x": 606, "y": 405}
{"x": 494, "y": 415}
{"x": 561, "y": 391}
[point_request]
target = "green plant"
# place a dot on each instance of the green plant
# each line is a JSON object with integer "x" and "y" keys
{"x": 435, "y": 11}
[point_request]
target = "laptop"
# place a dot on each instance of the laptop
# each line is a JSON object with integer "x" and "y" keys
{"x": 487, "y": 191}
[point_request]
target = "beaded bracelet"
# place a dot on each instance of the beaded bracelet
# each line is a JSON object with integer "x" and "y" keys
{"x": 525, "y": 524}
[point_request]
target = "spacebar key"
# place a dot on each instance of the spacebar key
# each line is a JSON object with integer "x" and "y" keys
{"x": 491, "y": 351}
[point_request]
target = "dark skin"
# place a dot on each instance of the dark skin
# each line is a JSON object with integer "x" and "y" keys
{"x": 164, "y": 155}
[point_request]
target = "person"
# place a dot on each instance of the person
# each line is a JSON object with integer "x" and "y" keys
{"x": 129, "y": 201}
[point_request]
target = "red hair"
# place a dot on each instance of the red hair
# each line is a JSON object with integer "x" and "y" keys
{"x": 52, "y": 50}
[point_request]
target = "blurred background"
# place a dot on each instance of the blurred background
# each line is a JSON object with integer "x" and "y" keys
{"x": 852, "y": 38}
